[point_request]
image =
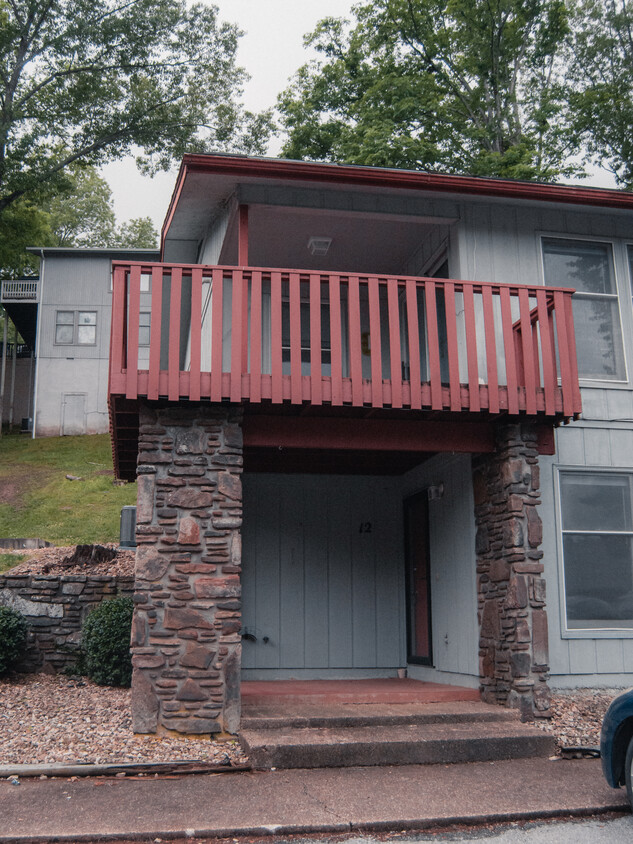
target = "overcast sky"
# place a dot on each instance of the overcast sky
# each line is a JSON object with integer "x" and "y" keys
{"x": 271, "y": 50}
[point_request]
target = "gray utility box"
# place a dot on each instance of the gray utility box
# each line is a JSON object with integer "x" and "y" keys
{"x": 127, "y": 537}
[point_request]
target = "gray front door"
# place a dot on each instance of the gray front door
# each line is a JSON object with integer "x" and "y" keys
{"x": 323, "y": 576}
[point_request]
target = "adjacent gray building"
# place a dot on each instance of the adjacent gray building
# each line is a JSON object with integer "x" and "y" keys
{"x": 61, "y": 383}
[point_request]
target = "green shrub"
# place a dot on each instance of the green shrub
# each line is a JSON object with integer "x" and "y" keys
{"x": 12, "y": 638}
{"x": 105, "y": 643}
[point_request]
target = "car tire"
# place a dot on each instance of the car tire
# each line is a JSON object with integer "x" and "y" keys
{"x": 628, "y": 772}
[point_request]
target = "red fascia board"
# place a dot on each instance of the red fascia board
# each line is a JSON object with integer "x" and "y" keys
{"x": 340, "y": 433}
{"x": 405, "y": 179}
{"x": 367, "y": 434}
{"x": 180, "y": 181}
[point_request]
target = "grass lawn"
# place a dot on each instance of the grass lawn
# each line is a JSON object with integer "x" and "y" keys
{"x": 7, "y": 561}
{"x": 37, "y": 500}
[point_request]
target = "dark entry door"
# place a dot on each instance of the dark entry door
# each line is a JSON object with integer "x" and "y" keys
{"x": 418, "y": 579}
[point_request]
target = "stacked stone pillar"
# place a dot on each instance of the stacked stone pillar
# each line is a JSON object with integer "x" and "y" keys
{"x": 513, "y": 642}
{"x": 186, "y": 646}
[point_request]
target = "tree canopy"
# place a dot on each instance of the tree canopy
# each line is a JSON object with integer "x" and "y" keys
{"x": 93, "y": 80}
{"x": 601, "y": 76}
{"x": 82, "y": 215}
{"x": 468, "y": 86}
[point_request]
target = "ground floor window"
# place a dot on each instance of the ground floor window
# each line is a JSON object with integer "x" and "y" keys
{"x": 597, "y": 530}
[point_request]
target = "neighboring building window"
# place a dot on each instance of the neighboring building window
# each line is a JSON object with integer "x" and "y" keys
{"x": 145, "y": 282}
{"x": 86, "y": 328}
{"x": 597, "y": 526}
{"x": 144, "y": 325}
{"x": 76, "y": 328}
{"x": 588, "y": 267}
{"x": 65, "y": 327}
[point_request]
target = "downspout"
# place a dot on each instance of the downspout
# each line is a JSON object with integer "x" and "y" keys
{"x": 4, "y": 366}
{"x": 12, "y": 393}
{"x": 38, "y": 333}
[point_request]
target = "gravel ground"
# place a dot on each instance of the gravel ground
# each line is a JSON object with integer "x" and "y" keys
{"x": 45, "y": 718}
{"x": 53, "y": 718}
{"x": 51, "y": 561}
{"x": 577, "y": 716}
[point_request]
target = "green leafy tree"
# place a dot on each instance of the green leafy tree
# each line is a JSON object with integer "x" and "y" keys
{"x": 94, "y": 80}
{"x": 601, "y": 73}
{"x": 22, "y": 224}
{"x": 80, "y": 216}
{"x": 139, "y": 233}
{"x": 466, "y": 86}
{"x": 83, "y": 214}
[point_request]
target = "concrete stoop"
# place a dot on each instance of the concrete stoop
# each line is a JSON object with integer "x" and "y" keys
{"x": 472, "y": 733}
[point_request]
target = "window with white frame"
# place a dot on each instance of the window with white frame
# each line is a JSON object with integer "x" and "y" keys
{"x": 588, "y": 267}
{"x": 146, "y": 283}
{"x": 305, "y": 333}
{"x": 144, "y": 326}
{"x": 597, "y": 531}
{"x": 76, "y": 328}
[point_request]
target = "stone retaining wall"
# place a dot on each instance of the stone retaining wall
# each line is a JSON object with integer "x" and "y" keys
{"x": 55, "y": 608}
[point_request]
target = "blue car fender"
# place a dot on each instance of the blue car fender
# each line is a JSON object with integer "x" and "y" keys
{"x": 617, "y": 731}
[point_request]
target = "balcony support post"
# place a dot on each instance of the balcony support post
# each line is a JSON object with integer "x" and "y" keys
{"x": 186, "y": 644}
{"x": 242, "y": 237}
{"x": 513, "y": 640}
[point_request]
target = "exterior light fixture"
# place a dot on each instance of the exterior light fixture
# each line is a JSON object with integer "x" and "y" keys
{"x": 319, "y": 245}
{"x": 434, "y": 493}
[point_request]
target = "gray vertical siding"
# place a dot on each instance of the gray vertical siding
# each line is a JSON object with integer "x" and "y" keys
{"x": 329, "y": 598}
{"x": 577, "y": 660}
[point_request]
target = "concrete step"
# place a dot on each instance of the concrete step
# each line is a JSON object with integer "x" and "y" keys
{"x": 402, "y": 744}
{"x": 336, "y": 715}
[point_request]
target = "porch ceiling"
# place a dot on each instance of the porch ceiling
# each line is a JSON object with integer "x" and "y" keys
{"x": 278, "y": 237}
{"x": 320, "y": 462}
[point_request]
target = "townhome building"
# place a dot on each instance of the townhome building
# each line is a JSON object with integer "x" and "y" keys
{"x": 381, "y": 421}
{"x": 376, "y": 431}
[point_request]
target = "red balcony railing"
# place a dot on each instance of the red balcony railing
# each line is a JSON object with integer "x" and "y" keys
{"x": 187, "y": 332}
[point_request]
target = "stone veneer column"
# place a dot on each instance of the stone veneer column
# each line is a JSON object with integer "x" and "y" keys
{"x": 186, "y": 646}
{"x": 513, "y": 643}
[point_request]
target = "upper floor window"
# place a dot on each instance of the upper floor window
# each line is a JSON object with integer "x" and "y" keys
{"x": 597, "y": 525}
{"x": 76, "y": 328}
{"x": 588, "y": 267}
{"x": 144, "y": 327}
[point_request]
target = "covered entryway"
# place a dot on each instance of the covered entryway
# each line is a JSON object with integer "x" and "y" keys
{"x": 322, "y": 577}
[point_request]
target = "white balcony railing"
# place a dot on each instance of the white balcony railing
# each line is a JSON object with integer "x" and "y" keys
{"x": 20, "y": 290}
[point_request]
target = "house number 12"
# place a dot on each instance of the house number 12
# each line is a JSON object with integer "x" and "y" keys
{"x": 365, "y": 527}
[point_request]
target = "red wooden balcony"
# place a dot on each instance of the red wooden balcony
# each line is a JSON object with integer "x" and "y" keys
{"x": 247, "y": 335}
{"x": 254, "y": 335}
